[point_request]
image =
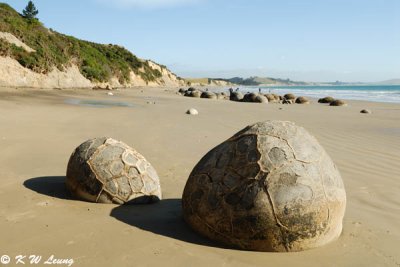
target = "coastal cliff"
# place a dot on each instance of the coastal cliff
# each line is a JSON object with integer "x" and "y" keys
{"x": 33, "y": 56}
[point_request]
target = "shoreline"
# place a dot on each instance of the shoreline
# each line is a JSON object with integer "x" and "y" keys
{"x": 297, "y": 90}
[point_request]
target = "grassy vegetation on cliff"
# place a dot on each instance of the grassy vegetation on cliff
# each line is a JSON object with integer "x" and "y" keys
{"x": 96, "y": 62}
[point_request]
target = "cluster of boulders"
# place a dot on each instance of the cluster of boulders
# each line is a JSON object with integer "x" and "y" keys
{"x": 251, "y": 97}
{"x": 236, "y": 95}
{"x": 270, "y": 187}
{"x": 332, "y": 102}
{"x": 193, "y": 92}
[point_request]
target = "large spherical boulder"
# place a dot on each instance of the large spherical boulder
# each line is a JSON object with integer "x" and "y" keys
{"x": 270, "y": 97}
{"x": 302, "y": 100}
{"x": 196, "y": 93}
{"x": 261, "y": 99}
{"x": 338, "y": 103}
{"x": 270, "y": 187}
{"x": 326, "y": 100}
{"x": 250, "y": 97}
{"x": 235, "y": 96}
{"x": 209, "y": 95}
{"x": 105, "y": 170}
{"x": 289, "y": 97}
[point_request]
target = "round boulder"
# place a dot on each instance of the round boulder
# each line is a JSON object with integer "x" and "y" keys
{"x": 208, "y": 95}
{"x": 270, "y": 187}
{"x": 250, "y": 97}
{"x": 366, "y": 111}
{"x": 277, "y": 97}
{"x": 302, "y": 100}
{"x": 235, "y": 96}
{"x": 105, "y": 170}
{"x": 192, "y": 111}
{"x": 326, "y": 100}
{"x": 289, "y": 97}
{"x": 338, "y": 103}
{"x": 196, "y": 93}
{"x": 270, "y": 97}
{"x": 261, "y": 99}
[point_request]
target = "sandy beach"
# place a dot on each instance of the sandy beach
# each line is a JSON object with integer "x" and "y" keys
{"x": 39, "y": 129}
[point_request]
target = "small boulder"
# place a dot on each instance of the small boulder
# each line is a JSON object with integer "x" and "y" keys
{"x": 105, "y": 170}
{"x": 250, "y": 97}
{"x": 270, "y": 97}
{"x": 235, "y": 96}
{"x": 326, "y": 100}
{"x": 302, "y": 100}
{"x": 338, "y": 103}
{"x": 208, "y": 95}
{"x": 366, "y": 111}
{"x": 277, "y": 97}
{"x": 195, "y": 93}
{"x": 261, "y": 99}
{"x": 289, "y": 97}
{"x": 192, "y": 111}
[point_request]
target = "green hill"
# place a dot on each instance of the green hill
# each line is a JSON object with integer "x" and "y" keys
{"x": 389, "y": 82}
{"x": 96, "y": 62}
{"x": 255, "y": 81}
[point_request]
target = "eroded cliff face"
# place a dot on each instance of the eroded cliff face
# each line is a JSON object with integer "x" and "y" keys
{"x": 13, "y": 74}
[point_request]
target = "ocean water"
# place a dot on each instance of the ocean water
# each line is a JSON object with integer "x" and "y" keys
{"x": 376, "y": 93}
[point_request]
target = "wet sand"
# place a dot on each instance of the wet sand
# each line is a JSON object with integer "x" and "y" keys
{"x": 40, "y": 129}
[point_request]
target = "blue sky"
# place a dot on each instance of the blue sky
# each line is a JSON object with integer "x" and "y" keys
{"x": 312, "y": 40}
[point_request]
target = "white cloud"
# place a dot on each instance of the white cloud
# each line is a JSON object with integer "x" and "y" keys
{"x": 148, "y": 3}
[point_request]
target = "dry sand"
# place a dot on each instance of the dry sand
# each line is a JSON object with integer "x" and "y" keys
{"x": 39, "y": 130}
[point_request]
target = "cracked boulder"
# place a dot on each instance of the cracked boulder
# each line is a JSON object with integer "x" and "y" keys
{"x": 105, "y": 170}
{"x": 270, "y": 187}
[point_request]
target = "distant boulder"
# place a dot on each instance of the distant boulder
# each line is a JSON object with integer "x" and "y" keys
{"x": 302, "y": 100}
{"x": 192, "y": 111}
{"x": 196, "y": 93}
{"x": 289, "y": 97}
{"x": 235, "y": 95}
{"x": 366, "y": 111}
{"x": 250, "y": 97}
{"x": 209, "y": 95}
{"x": 338, "y": 103}
{"x": 270, "y": 97}
{"x": 261, "y": 99}
{"x": 326, "y": 100}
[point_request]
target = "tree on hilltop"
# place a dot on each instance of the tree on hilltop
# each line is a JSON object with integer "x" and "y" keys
{"x": 30, "y": 11}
